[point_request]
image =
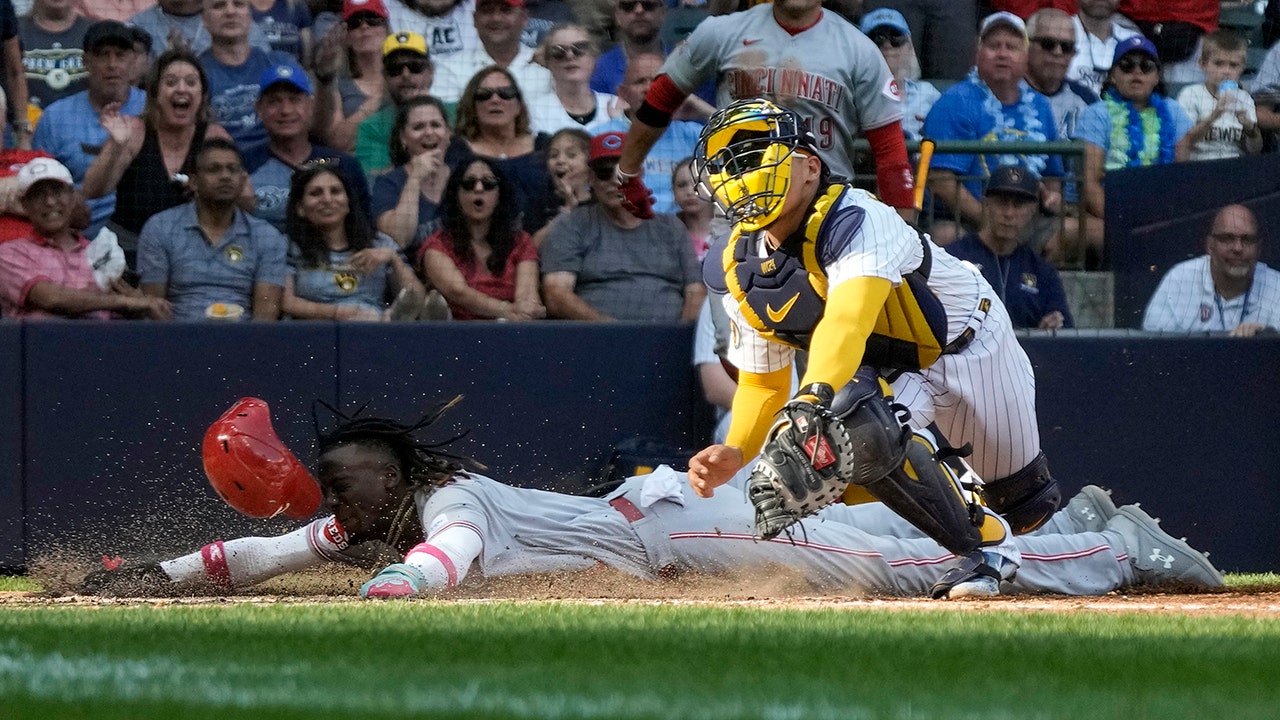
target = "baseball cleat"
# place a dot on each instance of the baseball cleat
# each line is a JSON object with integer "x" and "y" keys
{"x": 1159, "y": 558}
{"x": 978, "y": 574}
{"x": 395, "y": 581}
{"x": 1090, "y": 509}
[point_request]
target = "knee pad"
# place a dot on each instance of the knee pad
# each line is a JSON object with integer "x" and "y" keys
{"x": 879, "y": 439}
{"x": 1027, "y": 498}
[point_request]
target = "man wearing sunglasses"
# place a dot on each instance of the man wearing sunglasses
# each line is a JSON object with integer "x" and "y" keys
{"x": 1225, "y": 290}
{"x": 409, "y": 73}
{"x": 797, "y": 53}
{"x": 499, "y": 25}
{"x": 234, "y": 67}
{"x": 639, "y": 23}
{"x": 1049, "y": 56}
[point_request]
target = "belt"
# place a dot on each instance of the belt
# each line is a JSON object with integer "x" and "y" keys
{"x": 627, "y": 508}
{"x": 964, "y": 338}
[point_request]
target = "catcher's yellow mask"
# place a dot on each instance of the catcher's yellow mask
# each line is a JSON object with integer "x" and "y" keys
{"x": 746, "y": 152}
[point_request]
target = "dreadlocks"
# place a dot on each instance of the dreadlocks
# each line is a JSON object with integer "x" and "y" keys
{"x": 424, "y": 465}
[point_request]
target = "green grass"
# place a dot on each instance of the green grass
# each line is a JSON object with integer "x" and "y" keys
{"x": 17, "y": 582}
{"x": 548, "y": 660}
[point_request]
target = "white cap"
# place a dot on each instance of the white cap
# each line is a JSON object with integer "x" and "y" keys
{"x": 41, "y": 169}
{"x": 1005, "y": 18}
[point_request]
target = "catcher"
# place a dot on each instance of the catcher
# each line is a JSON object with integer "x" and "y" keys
{"x": 907, "y": 348}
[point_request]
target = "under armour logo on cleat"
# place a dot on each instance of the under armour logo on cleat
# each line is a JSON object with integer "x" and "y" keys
{"x": 1157, "y": 557}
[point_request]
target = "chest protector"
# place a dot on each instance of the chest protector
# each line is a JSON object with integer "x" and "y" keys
{"x": 783, "y": 297}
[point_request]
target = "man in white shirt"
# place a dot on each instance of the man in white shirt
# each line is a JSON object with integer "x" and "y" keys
{"x": 1098, "y": 28}
{"x": 499, "y": 24}
{"x": 1225, "y": 290}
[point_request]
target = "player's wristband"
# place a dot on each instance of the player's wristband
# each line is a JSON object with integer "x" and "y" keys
{"x": 652, "y": 116}
{"x": 821, "y": 392}
{"x": 622, "y": 177}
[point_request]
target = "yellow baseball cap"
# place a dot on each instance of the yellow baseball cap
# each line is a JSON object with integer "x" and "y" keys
{"x": 411, "y": 41}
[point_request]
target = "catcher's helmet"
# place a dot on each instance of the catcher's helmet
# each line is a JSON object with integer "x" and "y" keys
{"x": 745, "y": 152}
{"x": 251, "y": 468}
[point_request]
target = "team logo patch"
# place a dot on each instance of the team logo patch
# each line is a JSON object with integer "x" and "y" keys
{"x": 734, "y": 338}
{"x": 1029, "y": 281}
{"x": 1206, "y": 312}
{"x": 234, "y": 253}
{"x": 333, "y": 533}
{"x": 346, "y": 281}
{"x": 891, "y": 90}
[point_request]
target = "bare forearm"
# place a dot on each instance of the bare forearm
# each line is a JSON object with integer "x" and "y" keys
{"x": 401, "y": 222}
{"x": 564, "y": 304}
{"x": 694, "y": 294}
{"x": 640, "y": 140}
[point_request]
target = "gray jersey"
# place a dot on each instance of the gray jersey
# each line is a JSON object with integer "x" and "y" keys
{"x": 830, "y": 73}
{"x": 655, "y": 522}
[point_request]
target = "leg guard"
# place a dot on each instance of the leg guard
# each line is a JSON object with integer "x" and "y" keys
{"x": 1027, "y": 498}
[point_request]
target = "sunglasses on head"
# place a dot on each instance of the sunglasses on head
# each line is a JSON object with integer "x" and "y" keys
{"x": 561, "y": 52}
{"x": 356, "y": 22}
{"x": 631, "y": 5}
{"x": 414, "y": 66}
{"x": 1143, "y": 65}
{"x": 506, "y": 92}
{"x": 893, "y": 39}
{"x": 478, "y": 184}
{"x": 1066, "y": 47}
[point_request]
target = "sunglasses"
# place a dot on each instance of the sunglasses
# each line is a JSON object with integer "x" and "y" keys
{"x": 1142, "y": 65}
{"x": 890, "y": 38}
{"x": 394, "y": 69}
{"x": 561, "y": 52}
{"x": 365, "y": 19}
{"x": 605, "y": 171}
{"x": 479, "y": 184}
{"x": 1066, "y": 47}
{"x": 631, "y": 5}
{"x": 507, "y": 92}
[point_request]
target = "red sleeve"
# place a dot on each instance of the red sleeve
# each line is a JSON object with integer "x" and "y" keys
{"x": 434, "y": 241}
{"x": 894, "y": 182}
{"x": 664, "y": 94}
{"x": 524, "y": 249}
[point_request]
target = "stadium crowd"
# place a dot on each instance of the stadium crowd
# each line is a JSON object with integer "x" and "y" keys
{"x": 425, "y": 159}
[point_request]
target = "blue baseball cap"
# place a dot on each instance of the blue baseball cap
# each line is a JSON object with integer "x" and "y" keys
{"x": 284, "y": 73}
{"x": 884, "y": 17}
{"x": 1137, "y": 43}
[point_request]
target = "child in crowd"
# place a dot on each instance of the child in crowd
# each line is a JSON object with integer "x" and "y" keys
{"x": 567, "y": 167}
{"x": 693, "y": 211}
{"x": 1225, "y": 121}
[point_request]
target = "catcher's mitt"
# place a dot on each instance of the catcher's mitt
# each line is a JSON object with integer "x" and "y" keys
{"x": 804, "y": 466}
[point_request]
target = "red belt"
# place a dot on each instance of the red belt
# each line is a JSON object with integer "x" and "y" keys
{"x": 627, "y": 508}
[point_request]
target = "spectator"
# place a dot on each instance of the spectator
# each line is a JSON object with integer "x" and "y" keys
{"x": 408, "y": 73}
{"x": 353, "y": 89}
{"x": 718, "y": 384}
{"x": 13, "y": 76}
{"x": 146, "y": 160}
{"x": 639, "y": 24}
{"x": 570, "y": 55}
{"x": 70, "y": 129}
{"x": 49, "y": 274}
{"x": 483, "y": 264}
{"x": 600, "y": 262}
{"x": 287, "y": 25}
{"x": 1225, "y": 123}
{"x": 674, "y": 144}
{"x": 447, "y": 25}
{"x": 493, "y": 122}
{"x": 118, "y": 10}
{"x": 234, "y": 67}
{"x": 285, "y": 108}
{"x": 498, "y": 25}
{"x": 52, "y": 37}
{"x": 407, "y": 198}
{"x": 944, "y": 28}
{"x": 1029, "y": 287}
{"x": 694, "y": 211}
{"x": 1098, "y": 28}
{"x": 180, "y": 23}
{"x": 1134, "y": 125}
{"x": 1049, "y": 56}
{"x": 1224, "y": 290}
{"x": 994, "y": 104}
{"x": 13, "y": 219}
{"x": 339, "y": 267}
{"x": 209, "y": 258}
{"x": 889, "y": 31}
{"x": 567, "y": 153}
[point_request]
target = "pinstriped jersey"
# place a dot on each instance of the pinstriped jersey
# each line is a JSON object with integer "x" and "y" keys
{"x": 863, "y": 237}
{"x": 829, "y": 73}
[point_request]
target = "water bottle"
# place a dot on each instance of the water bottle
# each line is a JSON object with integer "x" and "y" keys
{"x": 1229, "y": 90}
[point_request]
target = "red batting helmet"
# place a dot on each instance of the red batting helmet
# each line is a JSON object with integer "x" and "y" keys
{"x": 252, "y": 469}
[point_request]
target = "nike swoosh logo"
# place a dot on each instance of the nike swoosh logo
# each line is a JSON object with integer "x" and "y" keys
{"x": 779, "y": 315}
{"x": 751, "y": 42}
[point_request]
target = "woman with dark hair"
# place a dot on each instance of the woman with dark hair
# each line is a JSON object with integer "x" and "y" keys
{"x": 493, "y": 123}
{"x": 481, "y": 262}
{"x": 340, "y": 269}
{"x": 348, "y": 62}
{"x": 406, "y": 199}
{"x": 146, "y": 160}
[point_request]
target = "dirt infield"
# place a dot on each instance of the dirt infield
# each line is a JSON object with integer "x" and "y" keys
{"x": 605, "y": 586}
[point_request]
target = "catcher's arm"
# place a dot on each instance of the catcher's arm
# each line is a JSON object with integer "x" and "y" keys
{"x": 758, "y": 398}
{"x": 839, "y": 340}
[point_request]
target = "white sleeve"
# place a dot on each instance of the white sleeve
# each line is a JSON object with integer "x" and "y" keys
{"x": 1159, "y": 315}
{"x": 447, "y": 554}
{"x": 704, "y": 336}
{"x": 249, "y": 561}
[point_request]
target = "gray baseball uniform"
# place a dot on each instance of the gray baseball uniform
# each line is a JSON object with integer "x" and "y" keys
{"x": 830, "y": 73}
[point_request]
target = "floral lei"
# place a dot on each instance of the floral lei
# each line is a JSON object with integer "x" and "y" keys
{"x": 1031, "y": 124}
{"x": 1147, "y": 136}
